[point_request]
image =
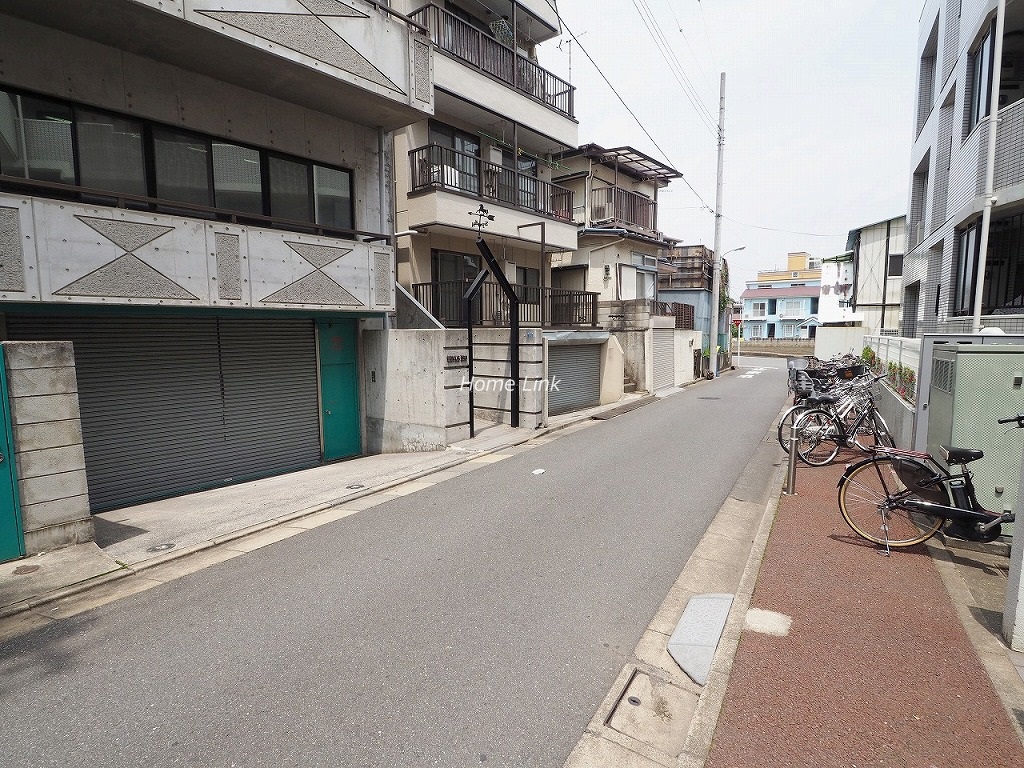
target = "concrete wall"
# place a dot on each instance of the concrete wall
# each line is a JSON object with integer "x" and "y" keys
{"x": 412, "y": 399}
{"x": 48, "y": 448}
{"x": 492, "y": 368}
{"x": 898, "y": 414}
{"x": 830, "y": 341}
{"x": 612, "y": 383}
{"x": 637, "y": 363}
{"x": 686, "y": 343}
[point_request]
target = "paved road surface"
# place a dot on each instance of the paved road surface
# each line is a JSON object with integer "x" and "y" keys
{"x": 477, "y": 622}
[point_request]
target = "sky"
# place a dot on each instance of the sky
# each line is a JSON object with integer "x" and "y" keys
{"x": 818, "y": 113}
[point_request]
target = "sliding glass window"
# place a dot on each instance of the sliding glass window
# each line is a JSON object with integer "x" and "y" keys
{"x": 35, "y": 139}
{"x": 111, "y": 154}
{"x": 53, "y": 141}
{"x": 237, "y": 181}
{"x": 182, "y": 167}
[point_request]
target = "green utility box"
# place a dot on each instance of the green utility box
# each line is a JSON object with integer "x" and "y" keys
{"x": 972, "y": 386}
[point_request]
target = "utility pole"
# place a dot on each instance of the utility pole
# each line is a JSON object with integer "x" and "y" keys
{"x": 716, "y": 269}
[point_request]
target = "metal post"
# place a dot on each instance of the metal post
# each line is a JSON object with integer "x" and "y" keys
{"x": 791, "y": 471}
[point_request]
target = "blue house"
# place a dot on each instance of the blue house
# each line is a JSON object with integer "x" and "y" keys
{"x": 781, "y": 304}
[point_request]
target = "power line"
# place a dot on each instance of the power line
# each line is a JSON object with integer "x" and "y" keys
{"x": 624, "y": 104}
{"x": 785, "y": 231}
{"x": 674, "y": 66}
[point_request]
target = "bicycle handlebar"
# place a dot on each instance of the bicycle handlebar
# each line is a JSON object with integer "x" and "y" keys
{"x": 1019, "y": 419}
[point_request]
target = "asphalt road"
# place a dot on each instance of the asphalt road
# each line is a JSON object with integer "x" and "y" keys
{"x": 479, "y": 622}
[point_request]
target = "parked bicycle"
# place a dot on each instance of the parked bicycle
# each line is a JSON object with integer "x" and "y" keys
{"x": 899, "y": 498}
{"x": 840, "y": 396}
{"x": 821, "y": 433}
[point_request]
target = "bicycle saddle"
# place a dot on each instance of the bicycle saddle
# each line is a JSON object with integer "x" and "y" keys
{"x": 960, "y": 455}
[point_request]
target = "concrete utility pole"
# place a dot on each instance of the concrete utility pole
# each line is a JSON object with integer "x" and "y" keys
{"x": 716, "y": 269}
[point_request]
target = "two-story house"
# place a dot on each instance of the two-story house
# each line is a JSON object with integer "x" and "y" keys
{"x": 877, "y": 251}
{"x": 778, "y": 304}
{"x": 615, "y": 194}
{"x": 196, "y": 195}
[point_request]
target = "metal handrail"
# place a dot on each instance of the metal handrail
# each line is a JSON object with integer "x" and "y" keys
{"x": 172, "y": 207}
{"x": 469, "y": 44}
{"x": 557, "y": 306}
{"x": 437, "y": 166}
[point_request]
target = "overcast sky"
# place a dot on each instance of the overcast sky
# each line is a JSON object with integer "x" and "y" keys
{"x": 818, "y": 112}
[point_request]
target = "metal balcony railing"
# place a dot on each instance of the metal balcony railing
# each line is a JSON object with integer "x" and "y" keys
{"x": 537, "y": 306}
{"x": 434, "y": 166}
{"x": 478, "y": 49}
{"x": 621, "y": 205}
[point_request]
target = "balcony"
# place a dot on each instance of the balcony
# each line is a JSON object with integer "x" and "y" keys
{"x": 617, "y": 206}
{"x": 481, "y": 51}
{"x": 437, "y": 167}
{"x": 538, "y": 306}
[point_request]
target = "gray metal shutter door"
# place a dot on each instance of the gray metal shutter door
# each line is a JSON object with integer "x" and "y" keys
{"x": 664, "y": 343}
{"x": 172, "y": 405}
{"x": 577, "y": 372}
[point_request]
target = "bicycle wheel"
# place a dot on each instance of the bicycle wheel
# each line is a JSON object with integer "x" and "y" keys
{"x": 817, "y": 437}
{"x": 786, "y": 423}
{"x": 869, "y": 500}
{"x": 873, "y": 431}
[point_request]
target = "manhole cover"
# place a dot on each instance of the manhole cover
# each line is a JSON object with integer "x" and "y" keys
{"x": 355, "y": 486}
{"x": 709, "y": 398}
{"x": 21, "y": 570}
{"x": 160, "y": 548}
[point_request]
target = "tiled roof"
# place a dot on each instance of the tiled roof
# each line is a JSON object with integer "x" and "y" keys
{"x": 782, "y": 293}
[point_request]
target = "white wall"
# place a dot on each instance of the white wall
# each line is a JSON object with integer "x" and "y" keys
{"x": 838, "y": 340}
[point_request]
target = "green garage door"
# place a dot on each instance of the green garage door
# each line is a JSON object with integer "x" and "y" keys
{"x": 174, "y": 405}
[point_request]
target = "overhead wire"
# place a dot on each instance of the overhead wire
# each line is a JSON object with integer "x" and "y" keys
{"x": 622, "y": 101}
{"x": 674, "y": 66}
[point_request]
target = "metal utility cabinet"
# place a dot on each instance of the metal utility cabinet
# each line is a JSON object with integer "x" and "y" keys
{"x": 971, "y": 387}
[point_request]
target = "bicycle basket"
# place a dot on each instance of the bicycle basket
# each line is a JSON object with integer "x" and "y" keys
{"x": 850, "y": 371}
{"x": 921, "y": 480}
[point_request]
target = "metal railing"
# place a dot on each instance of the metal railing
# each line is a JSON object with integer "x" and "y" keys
{"x": 91, "y": 196}
{"x": 475, "y": 47}
{"x": 615, "y": 203}
{"x": 537, "y": 306}
{"x": 434, "y": 166}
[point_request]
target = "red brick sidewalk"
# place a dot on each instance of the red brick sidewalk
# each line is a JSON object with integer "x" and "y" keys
{"x": 877, "y": 669}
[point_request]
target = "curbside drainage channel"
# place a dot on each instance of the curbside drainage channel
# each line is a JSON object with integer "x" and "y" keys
{"x": 664, "y": 705}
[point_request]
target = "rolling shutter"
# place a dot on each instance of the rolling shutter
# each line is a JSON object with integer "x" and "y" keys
{"x": 576, "y": 369}
{"x": 173, "y": 405}
{"x": 664, "y": 348}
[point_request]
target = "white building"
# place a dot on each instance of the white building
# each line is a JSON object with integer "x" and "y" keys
{"x": 959, "y": 87}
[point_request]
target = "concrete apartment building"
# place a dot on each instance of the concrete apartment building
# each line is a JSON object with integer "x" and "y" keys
{"x": 780, "y": 302}
{"x": 961, "y": 86}
{"x": 195, "y": 232}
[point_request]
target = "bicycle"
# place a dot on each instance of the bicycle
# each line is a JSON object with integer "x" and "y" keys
{"x": 899, "y": 498}
{"x": 820, "y": 433}
{"x": 838, "y": 396}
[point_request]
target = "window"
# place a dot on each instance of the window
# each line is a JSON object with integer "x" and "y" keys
{"x": 981, "y": 79}
{"x": 182, "y": 163}
{"x": 111, "y": 153}
{"x": 237, "y": 180}
{"x": 528, "y": 285}
{"x": 792, "y": 308}
{"x": 332, "y": 190}
{"x": 966, "y": 270}
{"x": 1004, "y": 267}
{"x": 48, "y": 140}
{"x": 35, "y": 139}
{"x": 895, "y": 265}
{"x": 759, "y": 309}
{"x": 456, "y": 157}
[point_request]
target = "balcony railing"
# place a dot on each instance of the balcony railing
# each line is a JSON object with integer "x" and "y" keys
{"x": 537, "y": 306}
{"x": 621, "y": 205}
{"x": 475, "y": 47}
{"x": 434, "y": 166}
